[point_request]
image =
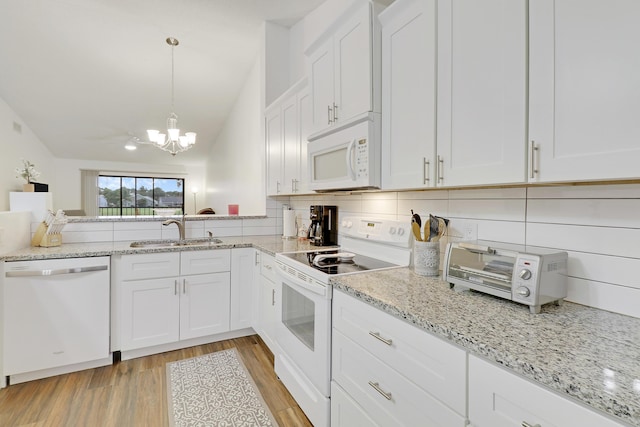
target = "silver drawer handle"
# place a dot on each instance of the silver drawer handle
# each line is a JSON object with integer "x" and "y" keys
{"x": 526, "y": 424}
{"x": 377, "y": 388}
{"x": 376, "y": 335}
{"x": 267, "y": 266}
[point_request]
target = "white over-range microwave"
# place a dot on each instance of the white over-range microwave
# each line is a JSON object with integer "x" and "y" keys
{"x": 347, "y": 157}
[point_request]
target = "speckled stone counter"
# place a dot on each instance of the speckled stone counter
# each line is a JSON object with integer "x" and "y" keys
{"x": 268, "y": 244}
{"x": 155, "y": 218}
{"x": 588, "y": 354}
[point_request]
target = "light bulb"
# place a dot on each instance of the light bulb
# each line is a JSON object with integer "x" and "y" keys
{"x": 153, "y": 134}
{"x": 173, "y": 134}
{"x": 191, "y": 137}
{"x": 161, "y": 139}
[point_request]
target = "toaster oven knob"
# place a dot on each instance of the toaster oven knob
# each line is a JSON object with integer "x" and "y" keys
{"x": 525, "y": 274}
{"x": 523, "y": 291}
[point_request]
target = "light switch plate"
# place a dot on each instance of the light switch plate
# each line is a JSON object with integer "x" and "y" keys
{"x": 470, "y": 231}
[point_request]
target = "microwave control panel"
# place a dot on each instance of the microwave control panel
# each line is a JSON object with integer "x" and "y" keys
{"x": 362, "y": 158}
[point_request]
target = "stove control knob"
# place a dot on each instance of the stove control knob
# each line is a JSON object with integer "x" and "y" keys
{"x": 523, "y": 291}
{"x": 349, "y": 224}
{"x": 392, "y": 230}
{"x": 343, "y": 223}
{"x": 400, "y": 231}
{"x": 525, "y": 274}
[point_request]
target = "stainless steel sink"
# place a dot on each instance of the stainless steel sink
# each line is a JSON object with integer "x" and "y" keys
{"x": 170, "y": 243}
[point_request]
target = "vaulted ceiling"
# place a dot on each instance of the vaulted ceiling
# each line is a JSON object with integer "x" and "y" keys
{"x": 87, "y": 75}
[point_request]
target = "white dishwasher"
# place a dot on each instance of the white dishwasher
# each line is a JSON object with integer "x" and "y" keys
{"x": 56, "y": 316}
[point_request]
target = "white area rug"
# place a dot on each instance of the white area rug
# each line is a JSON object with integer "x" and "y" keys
{"x": 215, "y": 390}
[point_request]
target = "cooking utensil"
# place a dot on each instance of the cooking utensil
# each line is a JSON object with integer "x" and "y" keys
{"x": 415, "y": 217}
{"x": 433, "y": 227}
{"x": 416, "y": 231}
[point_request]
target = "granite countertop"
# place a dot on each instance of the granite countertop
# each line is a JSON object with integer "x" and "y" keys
{"x": 269, "y": 244}
{"x": 156, "y": 218}
{"x": 588, "y": 354}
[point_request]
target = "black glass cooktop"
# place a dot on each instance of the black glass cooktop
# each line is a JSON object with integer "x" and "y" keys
{"x": 325, "y": 262}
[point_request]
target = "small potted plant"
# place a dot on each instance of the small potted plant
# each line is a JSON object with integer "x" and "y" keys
{"x": 28, "y": 172}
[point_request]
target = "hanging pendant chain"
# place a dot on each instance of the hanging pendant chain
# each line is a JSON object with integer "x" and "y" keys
{"x": 172, "y": 79}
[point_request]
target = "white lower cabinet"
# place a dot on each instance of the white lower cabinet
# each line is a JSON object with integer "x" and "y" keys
{"x": 183, "y": 295}
{"x": 267, "y": 300}
{"x": 498, "y": 398}
{"x": 242, "y": 269}
{"x": 394, "y": 372}
{"x": 345, "y": 412}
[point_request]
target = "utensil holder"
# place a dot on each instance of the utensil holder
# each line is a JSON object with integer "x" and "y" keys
{"x": 50, "y": 240}
{"x": 426, "y": 258}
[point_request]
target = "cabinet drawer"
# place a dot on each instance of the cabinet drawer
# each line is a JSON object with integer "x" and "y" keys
{"x": 345, "y": 412}
{"x": 367, "y": 380}
{"x": 149, "y": 266}
{"x": 434, "y": 365}
{"x": 498, "y": 398}
{"x": 203, "y": 262}
{"x": 267, "y": 266}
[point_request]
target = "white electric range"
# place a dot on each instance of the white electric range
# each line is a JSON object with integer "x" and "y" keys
{"x": 303, "y": 306}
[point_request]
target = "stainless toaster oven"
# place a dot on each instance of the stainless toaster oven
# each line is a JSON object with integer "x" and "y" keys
{"x": 531, "y": 277}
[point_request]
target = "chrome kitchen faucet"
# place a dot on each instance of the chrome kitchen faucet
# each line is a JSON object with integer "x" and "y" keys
{"x": 180, "y": 225}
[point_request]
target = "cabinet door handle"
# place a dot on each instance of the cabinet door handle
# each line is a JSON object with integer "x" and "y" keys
{"x": 526, "y": 424}
{"x": 175, "y": 287}
{"x": 277, "y": 186}
{"x": 377, "y": 336}
{"x": 329, "y": 114}
{"x": 532, "y": 160}
{"x": 377, "y": 388}
{"x": 273, "y": 297}
{"x": 184, "y": 286}
{"x": 257, "y": 257}
{"x": 267, "y": 267}
{"x": 425, "y": 170}
{"x": 335, "y": 112}
{"x": 440, "y": 169}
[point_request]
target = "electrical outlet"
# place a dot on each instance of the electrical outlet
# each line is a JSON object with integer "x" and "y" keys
{"x": 470, "y": 231}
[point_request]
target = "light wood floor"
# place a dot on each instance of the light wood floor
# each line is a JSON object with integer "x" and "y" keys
{"x": 133, "y": 392}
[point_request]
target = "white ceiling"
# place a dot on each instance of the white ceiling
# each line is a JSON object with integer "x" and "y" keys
{"x": 85, "y": 74}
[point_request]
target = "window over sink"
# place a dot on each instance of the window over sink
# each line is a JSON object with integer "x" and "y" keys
{"x": 135, "y": 195}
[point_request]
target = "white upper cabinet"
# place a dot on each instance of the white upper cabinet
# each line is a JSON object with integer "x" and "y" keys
{"x": 322, "y": 87}
{"x": 287, "y": 125}
{"x": 482, "y": 92}
{"x": 409, "y": 52}
{"x": 584, "y": 90}
{"x": 304, "y": 129}
{"x": 343, "y": 68}
{"x": 274, "y": 147}
{"x": 291, "y": 144}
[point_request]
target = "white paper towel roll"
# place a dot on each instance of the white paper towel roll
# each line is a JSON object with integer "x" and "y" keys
{"x": 289, "y": 229}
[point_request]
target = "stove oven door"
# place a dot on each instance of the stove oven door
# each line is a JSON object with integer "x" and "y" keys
{"x": 303, "y": 333}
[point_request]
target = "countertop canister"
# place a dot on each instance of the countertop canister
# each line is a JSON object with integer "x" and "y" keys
{"x": 426, "y": 258}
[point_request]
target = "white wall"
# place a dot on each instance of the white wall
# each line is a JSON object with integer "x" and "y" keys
{"x": 597, "y": 225}
{"x": 235, "y": 166}
{"x": 17, "y": 145}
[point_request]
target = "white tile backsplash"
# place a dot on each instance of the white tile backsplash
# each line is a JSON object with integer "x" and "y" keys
{"x": 597, "y": 224}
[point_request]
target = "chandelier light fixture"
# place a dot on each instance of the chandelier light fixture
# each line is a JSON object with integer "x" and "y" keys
{"x": 172, "y": 141}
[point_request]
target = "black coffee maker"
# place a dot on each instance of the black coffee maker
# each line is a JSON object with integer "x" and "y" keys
{"x": 323, "y": 230}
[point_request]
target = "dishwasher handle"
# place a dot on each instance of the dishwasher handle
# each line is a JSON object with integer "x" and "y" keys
{"x": 35, "y": 273}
